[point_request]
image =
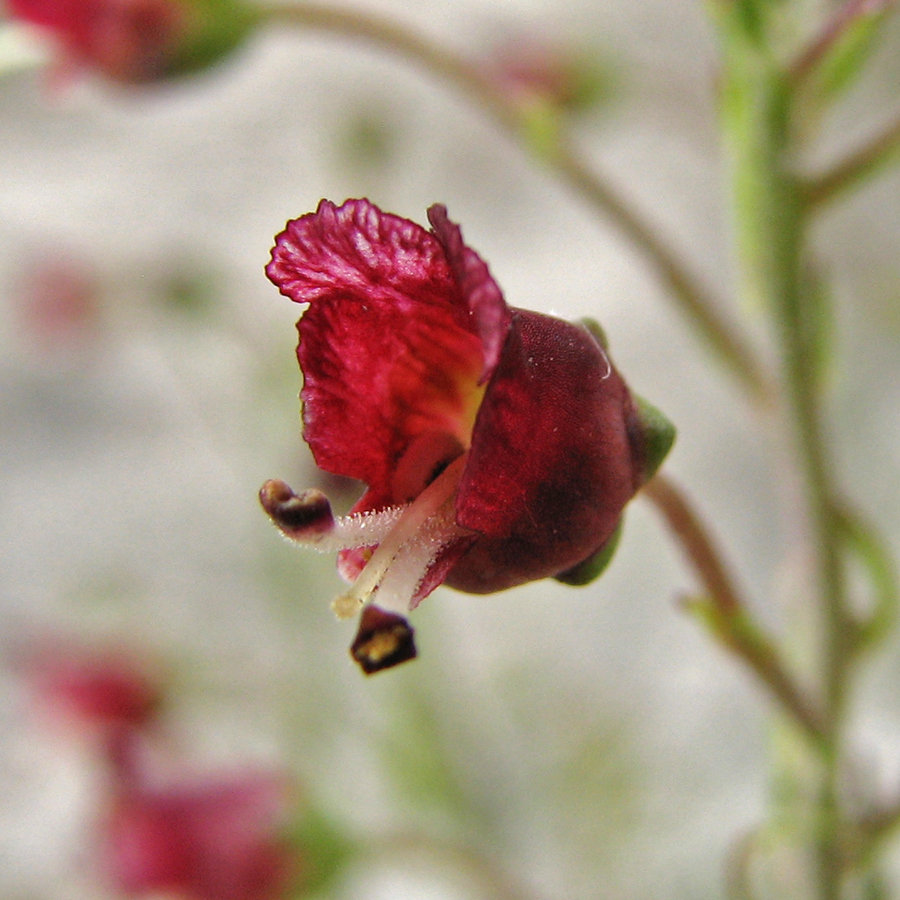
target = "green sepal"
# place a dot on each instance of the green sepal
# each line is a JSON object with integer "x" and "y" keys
{"x": 217, "y": 29}
{"x": 657, "y": 433}
{"x": 597, "y": 331}
{"x": 588, "y": 569}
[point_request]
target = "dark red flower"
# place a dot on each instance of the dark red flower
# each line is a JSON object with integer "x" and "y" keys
{"x": 498, "y": 445}
{"x": 139, "y": 40}
{"x": 208, "y": 840}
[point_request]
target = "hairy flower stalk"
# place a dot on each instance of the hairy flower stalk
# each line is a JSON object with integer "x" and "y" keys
{"x": 498, "y": 446}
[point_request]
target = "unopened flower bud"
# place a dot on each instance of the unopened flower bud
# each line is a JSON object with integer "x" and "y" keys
{"x": 139, "y": 41}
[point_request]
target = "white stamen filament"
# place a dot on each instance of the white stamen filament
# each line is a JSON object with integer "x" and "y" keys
{"x": 356, "y": 530}
{"x": 409, "y": 527}
{"x": 409, "y": 567}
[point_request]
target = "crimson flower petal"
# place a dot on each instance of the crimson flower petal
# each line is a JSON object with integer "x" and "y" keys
{"x": 138, "y": 41}
{"x": 395, "y": 339}
{"x": 128, "y": 40}
{"x": 482, "y": 293}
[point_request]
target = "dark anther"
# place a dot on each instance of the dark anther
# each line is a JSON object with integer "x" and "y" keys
{"x": 383, "y": 640}
{"x": 307, "y": 513}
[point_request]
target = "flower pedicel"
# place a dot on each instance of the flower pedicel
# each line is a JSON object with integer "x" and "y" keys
{"x": 498, "y": 445}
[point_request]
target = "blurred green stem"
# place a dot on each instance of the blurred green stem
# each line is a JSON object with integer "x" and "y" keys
{"x": 694, "y": 301}
{"x": 493, "y": 880}
{"x": 875, "y": 829}
{"x": 772, "y": 218}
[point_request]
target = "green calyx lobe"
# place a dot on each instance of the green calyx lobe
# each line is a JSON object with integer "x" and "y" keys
{"x": 216, "y": 29}
{"x": 655, "y": 432}
{"x": 588, "y": 569}
{"x": 655, "y": 438}
{"x": 596, "y": 330}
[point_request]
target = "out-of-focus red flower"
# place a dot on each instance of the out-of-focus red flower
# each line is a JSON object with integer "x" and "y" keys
{"x": 136, "y": 41}
{"x": 498, "y": 445}
{"x": 105, "y": 691}
{"x": 205, "y": 840}
{"x": 58, "y": 303}
{"x": 191, "y": 837}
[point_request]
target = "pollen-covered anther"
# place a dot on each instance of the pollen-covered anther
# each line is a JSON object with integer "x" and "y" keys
{"x": 384, "y": 640}
{"x": 304, "y": 517}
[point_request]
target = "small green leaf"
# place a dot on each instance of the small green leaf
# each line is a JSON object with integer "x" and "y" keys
{"x": 219, "y": 27}
{"x": 851, "y": 47}
{"x": 870, "y": 552}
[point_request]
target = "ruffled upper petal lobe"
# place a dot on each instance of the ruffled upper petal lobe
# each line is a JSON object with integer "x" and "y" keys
{"x": 391, "y": 347}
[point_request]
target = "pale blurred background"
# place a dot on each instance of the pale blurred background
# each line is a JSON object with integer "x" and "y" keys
{"x": 593, "y": 742}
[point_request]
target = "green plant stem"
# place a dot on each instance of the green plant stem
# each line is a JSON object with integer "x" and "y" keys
{"x": 838, "y": 633}
{"x": 724, "y": 611}
{"x": 696, "y": 543}
{"x": 773, "y": 221}
{"x": 876, "y": 156}
{"x": 802, "y": 384}
{"x": 691, "y": 298}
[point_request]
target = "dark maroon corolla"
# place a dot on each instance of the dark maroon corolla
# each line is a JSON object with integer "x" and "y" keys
{"x": 498, "y": 445}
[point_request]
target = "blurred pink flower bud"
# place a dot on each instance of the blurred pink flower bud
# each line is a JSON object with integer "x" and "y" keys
{"x": 201, "y": 840}
{"x": 57, "y": 303}
{"x": 106, "y": 691}
{"x": 135, "y": 41}
{"x": 530, "y": 70}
